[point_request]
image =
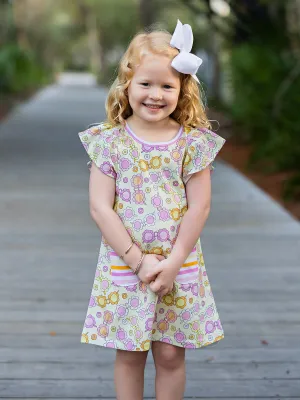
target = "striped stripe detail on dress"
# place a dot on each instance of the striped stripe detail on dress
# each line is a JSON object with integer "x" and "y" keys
{"x": 122, "y": 274}
{"x": 189, "y": 272}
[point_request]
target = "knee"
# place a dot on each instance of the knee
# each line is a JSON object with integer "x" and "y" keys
{"x": 169, "y": 357}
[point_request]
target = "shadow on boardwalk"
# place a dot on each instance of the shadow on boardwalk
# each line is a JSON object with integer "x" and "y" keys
{"x": 49, "y": 247}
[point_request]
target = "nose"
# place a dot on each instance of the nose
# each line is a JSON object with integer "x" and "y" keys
{"x": 156, "y": 94}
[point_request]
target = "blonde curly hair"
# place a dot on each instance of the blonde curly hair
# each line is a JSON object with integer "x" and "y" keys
{"x": 190, "y": 110}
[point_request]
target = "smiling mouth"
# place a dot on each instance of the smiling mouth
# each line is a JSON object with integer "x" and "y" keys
{"x": 154, "y": 106}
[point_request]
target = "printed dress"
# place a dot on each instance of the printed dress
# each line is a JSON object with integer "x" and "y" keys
{"x": 150, "y": 199}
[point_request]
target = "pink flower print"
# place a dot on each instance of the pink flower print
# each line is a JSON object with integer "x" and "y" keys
{"x": 211, "y": 144}
{"x": 92, "y": 302}
{"x": 210, "y": 311}
{"x": 167, "y": 173}
{"x": 200, "y": 338}
{"x": 90, "y": 321}
{"x": 114, "y": 158}
{"x": 156, "y": 201}
{"x": 129, "y": 345}
{"x": 135, "y": 153}
{"x": 121, "y": 334}
{"x": 163, "y": 235}
{"x": 149, "y": 324}
{"x": 106, "y": 168}
{"x": 171, "y": 316}
{"x": 195, "y": 326}
{"x": 185, "y": 287}
{"x": 103, "y": 330}
{"x": 129, "y": 213}
{"x": 189, "y": 345}
{"x": 195, "y": 289}
{"x": 133, "y": 321}
{"x": 108, "y": 317}
{"x": 154, "y": 177}
{"x": 166, "y": 340}
{"x": 151, "y": 308}
{"x": 138, "y": 334}
{"x": 186, "y": 315}
{"x": 150, "y": 219}
{"x": 134, "y": 302}
{"x": 210, "y": 327}
{"x": 111, "y": 344}
{"x": 148, "y": 236}
{"x": 121, "y": 311}
{"x": 125, "y": 195}
{"x": 218, "y": 324}
{"x": 106, "y": 152}
{"x": 164, "y": 214}
{"x": 179, "y": 336}
{"x": 104, "y": 284}
{"x": 142, "y": 313}
{"x": 125, "y": 164}
{"x": 132, "y": 288}
{"x": 167, "y": 188}
{"x": 137, "y": 225}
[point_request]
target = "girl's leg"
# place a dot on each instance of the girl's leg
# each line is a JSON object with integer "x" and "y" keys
{"x": 129, "y": 374}
{"x": 170, "y": 371}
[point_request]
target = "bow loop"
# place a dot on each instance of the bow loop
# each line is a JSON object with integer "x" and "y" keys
{"x": 184, "y": 62}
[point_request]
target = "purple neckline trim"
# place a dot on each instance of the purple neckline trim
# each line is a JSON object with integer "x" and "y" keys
{"x": 128, "y": 129}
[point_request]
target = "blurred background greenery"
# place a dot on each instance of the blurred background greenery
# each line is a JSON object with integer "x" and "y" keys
{"x": 251, "y": 52}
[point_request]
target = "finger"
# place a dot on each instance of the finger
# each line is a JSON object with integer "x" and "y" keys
{"x": 163, "y": 292}
{"x": 151, "y": 275}
{"x": 160, "y": 257}
{"x": 155, "y": 286}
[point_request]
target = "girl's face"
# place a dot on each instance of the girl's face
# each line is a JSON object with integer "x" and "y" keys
{"x": 154, "y": 89}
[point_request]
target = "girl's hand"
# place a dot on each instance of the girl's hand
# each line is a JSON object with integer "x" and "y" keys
{"x": 163, "y": 277}
{"x": 148, "y": 266}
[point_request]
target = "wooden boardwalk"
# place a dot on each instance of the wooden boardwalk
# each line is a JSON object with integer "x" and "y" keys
{"x": 48, "y": 253}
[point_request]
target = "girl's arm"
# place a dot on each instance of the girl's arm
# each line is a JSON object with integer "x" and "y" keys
{"x": 198, "y": 192}
{"x": 101, "y": 199}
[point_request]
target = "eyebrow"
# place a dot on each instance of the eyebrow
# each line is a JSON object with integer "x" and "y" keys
{"x": 165, "y": 83}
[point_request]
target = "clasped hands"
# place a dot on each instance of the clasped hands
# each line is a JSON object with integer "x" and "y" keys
{"x": 159, "y": 272}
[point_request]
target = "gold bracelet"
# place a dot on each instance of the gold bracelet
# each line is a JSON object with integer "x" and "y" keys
{"x": 122, "y": 257}
{"x": 138, "y": 267}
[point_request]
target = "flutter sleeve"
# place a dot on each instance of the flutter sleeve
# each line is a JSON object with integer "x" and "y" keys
{"x": 202, "y": 147}
{"x": 99, "y": 144}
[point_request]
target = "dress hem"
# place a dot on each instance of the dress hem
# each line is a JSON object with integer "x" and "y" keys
{"x": 219, "y": 338}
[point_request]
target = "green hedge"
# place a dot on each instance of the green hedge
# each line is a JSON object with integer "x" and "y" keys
{"x": 20, "y": 70}
{"x": 266, "y": 85}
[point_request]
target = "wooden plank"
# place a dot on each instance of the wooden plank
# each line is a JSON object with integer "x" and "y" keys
{"x": 102, "y": 369}
{"x": 89, "y": 353}
{"x": 103, "y": 388}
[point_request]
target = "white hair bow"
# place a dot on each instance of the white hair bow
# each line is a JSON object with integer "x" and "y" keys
{"x": 185, "y": 62}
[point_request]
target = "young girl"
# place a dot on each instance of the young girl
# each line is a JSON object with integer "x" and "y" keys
{"x": 150, "y": 197}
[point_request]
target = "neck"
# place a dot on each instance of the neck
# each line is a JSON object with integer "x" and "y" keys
{"x": 141, "y": 124}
